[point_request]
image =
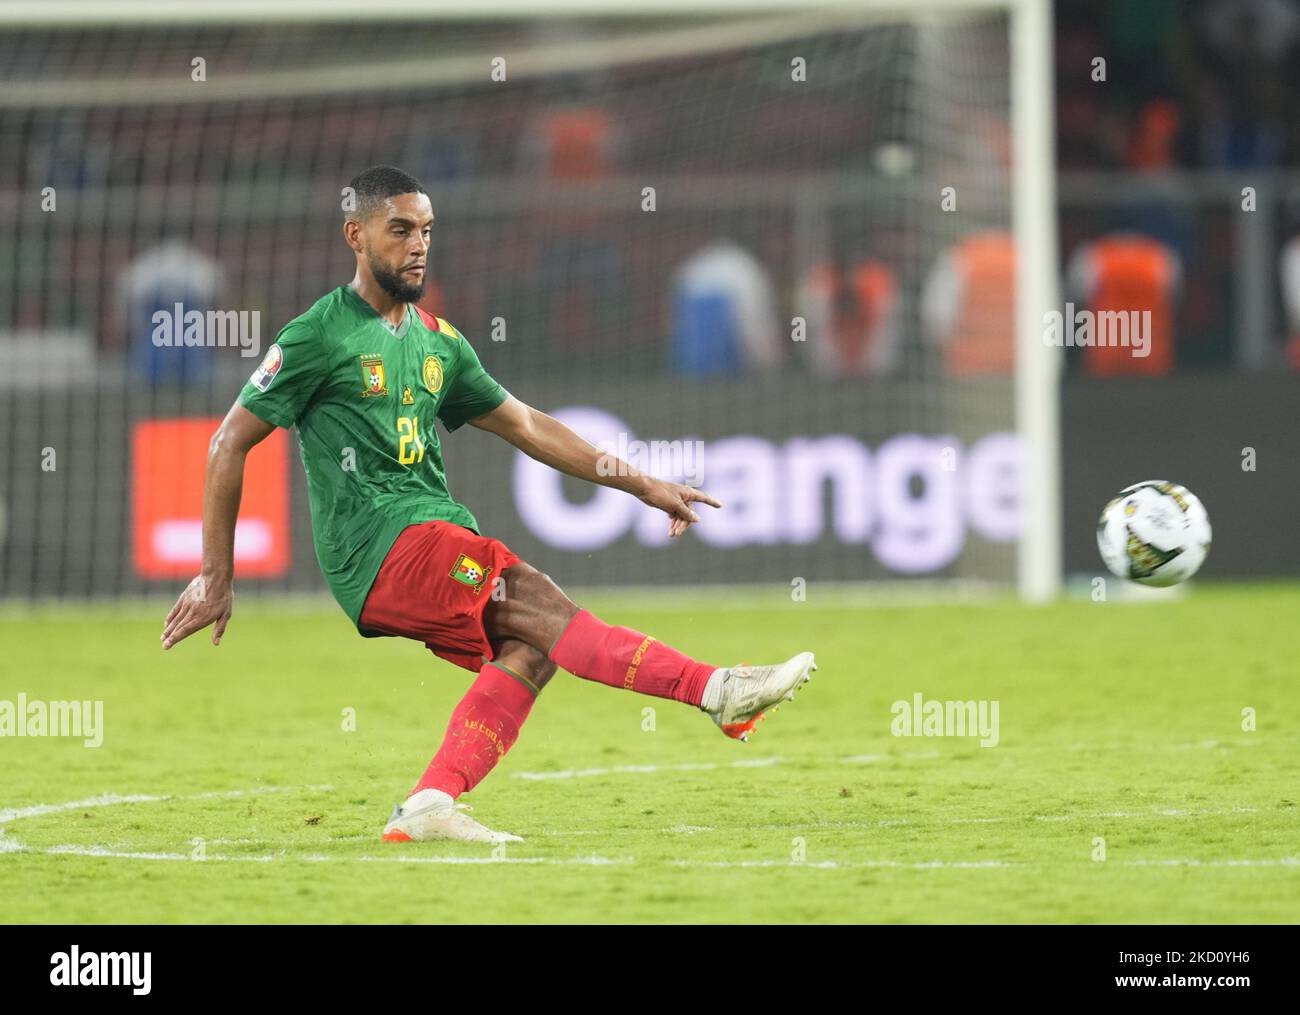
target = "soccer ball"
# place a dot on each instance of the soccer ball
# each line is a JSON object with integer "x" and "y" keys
{"x": 1155, "y": 533}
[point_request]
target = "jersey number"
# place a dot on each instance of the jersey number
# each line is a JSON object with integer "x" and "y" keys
{"x": 410, "y": 448}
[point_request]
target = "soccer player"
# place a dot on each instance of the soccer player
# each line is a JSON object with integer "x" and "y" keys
{"x": 361, "y": 375}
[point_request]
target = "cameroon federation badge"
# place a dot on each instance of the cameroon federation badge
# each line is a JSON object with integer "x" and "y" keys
{"x": 372, "y": 374}
{"x": 469, "y": 571}
{"x": 432, "y": 374}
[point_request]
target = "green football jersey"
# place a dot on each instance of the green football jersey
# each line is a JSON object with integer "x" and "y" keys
{"x": 363, "y": 398}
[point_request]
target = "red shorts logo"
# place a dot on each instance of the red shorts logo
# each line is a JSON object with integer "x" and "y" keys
{"x": 470, "y": 572}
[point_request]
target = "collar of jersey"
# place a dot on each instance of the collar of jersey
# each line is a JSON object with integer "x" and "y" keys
{"x": 401, "y": 330}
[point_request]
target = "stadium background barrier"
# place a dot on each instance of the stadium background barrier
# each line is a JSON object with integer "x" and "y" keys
{"x": 872, "y": 510}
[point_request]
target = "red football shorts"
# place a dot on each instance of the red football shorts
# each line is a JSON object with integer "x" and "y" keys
{"x": 433, "y": 587}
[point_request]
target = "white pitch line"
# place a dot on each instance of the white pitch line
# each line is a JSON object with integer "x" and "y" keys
{"x": 101, "y": 852}
{"x": 1155, "y": 812}
{"x": 846, "y": 864}
{"x": 703, "y": 766}
{"x": 104, "y": 800}
{"x": 113, "y": 799}
{"x": 601, "y": 861}
{"x": 365, "y": 837}
{"x": 10, "y": 814}
{"x": 904, "y": 822}
{"x": 852, "y": 759}
{"x": 1286, "y": 861}
{"x": 10, "y": 845}
{"x": 579, "y": 773}
{"x": 582, "y": 831}
{"x": 1196, "y": 745}
{"x": 585, "y": 861}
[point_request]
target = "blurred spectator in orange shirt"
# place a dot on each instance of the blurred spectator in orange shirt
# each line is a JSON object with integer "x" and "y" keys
{"x": 852, "y": 318}
{"x": 1129, "y": 274}
{"x": 968, "y": 305}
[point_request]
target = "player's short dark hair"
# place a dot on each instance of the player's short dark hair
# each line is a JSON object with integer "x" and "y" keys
{"x": 372, "y": 187}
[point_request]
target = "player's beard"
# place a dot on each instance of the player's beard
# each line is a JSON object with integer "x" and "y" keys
{"x": 394, "y": 282}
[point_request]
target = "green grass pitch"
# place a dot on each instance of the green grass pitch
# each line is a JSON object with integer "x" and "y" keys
{"x": 1118, "y": 722}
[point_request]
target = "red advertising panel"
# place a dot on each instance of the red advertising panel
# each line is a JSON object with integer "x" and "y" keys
{"x": 169, "y": 458}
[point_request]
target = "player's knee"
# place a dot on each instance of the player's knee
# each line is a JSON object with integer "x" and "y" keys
{"x": 532, "y": 610}
{"x": 530, "y": 663}
{"x": 541, "y": 667}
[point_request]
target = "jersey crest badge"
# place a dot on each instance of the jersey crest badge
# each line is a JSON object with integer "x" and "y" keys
{"x": 432, "y": 374}
{"x": 372, "y": 374}
{"x": 407, "y": 397}
{"x": 469, "y": 571}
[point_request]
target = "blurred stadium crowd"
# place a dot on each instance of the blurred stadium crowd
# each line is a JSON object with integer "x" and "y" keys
{"x": 221, "y": 203}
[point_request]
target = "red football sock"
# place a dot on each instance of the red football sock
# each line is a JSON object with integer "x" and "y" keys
{"x": 483, "y": 727}
{"x": 621, "y": 657}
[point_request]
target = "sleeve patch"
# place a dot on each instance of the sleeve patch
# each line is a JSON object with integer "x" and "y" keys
{"x": 265, "y": 374}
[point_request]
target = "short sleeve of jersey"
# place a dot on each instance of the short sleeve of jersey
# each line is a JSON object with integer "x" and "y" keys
{"x": 473, "y": 392}
{"x": 292, "y": 371}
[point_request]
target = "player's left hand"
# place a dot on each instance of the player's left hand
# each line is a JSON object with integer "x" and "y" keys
{"x": 675, "y": 500}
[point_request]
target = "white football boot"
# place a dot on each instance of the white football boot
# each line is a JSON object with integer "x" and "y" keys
{"x": 746, "y": 692}
{"x": 432, "y": 814}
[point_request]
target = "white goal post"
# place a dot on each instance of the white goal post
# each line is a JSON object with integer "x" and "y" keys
{"x": 1038, "y": 364}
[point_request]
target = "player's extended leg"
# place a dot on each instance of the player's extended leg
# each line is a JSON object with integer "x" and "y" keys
{"x": 535, "y": 611}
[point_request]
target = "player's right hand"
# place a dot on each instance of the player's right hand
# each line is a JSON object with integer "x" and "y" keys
{"x": 204, "y": 601}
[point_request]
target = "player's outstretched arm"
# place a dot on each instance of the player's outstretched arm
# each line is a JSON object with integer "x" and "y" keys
{"x": 551, "y": 442}
{"x": 209, "y": 598}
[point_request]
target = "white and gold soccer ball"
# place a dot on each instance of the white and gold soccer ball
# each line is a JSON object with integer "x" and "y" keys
{"x": 1155, "y": 533}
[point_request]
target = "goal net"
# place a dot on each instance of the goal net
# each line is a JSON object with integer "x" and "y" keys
{"x": 770, "y": 254}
